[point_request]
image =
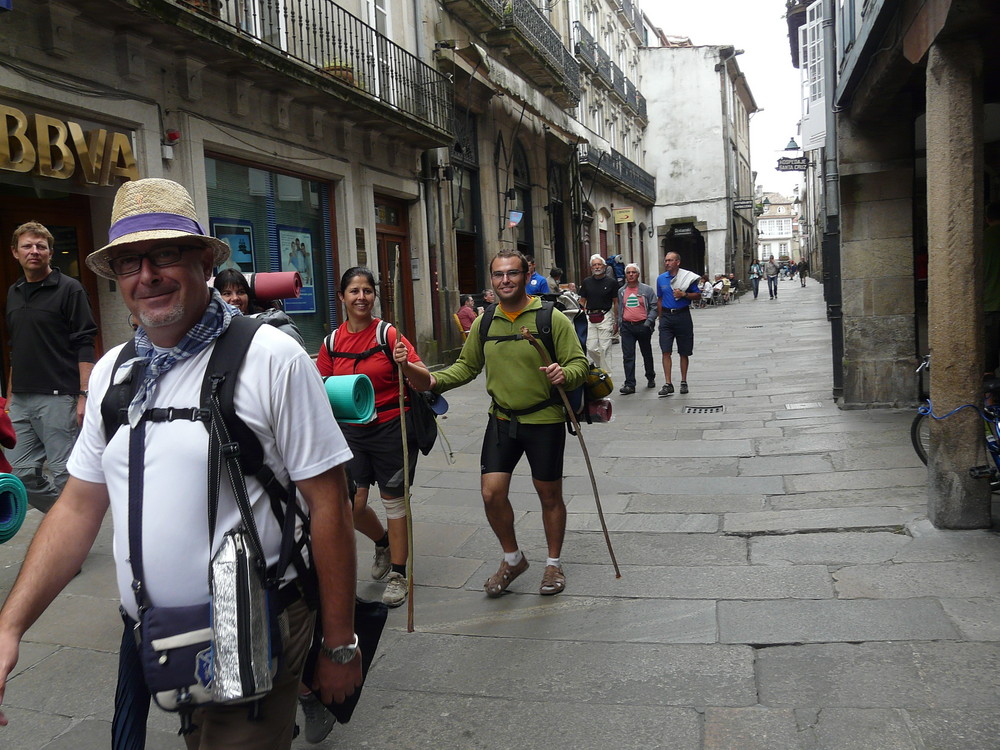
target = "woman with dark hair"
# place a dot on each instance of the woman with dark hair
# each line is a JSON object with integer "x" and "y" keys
{"x": 235, "y": 290}
{"x": 378, "y": 451}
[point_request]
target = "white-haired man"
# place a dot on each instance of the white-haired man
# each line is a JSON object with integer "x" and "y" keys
{"x": 636, "y": 320}
{"x": 599, "y": 297}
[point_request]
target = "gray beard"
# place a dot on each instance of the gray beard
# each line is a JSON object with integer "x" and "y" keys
{"x": 164, "y": 318}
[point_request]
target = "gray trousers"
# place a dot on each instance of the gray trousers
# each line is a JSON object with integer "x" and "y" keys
{"x": 46, "y": 429}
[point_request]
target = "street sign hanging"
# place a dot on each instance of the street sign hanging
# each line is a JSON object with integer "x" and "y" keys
{"x": 798, "y": 164}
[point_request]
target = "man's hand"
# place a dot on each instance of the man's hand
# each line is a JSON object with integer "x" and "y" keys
{"x": 81, "y": 405}
{"x": 554, "y": 373}
{"x": 8, "y": 659}
{"x": 333, "y": 682}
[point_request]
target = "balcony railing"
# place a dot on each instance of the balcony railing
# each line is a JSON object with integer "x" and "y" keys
{"x": 627, "y": 175}
{"x": 585, "y": 46}
{"x": 642, "y": 107}
{"x": 631, "y": 98}
{"x": 604, "y": 74}
{"x": 543, "y": 42}
{"x": 618, "y": 81}
{"x": 322, "y": 35}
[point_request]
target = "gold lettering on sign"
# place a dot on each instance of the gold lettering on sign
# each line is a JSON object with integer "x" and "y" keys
{"x": 91, "y": 152}
{"x": 16, "y": 152}
{"x": 54, "y": 157}
{"x": 55, "y": 148}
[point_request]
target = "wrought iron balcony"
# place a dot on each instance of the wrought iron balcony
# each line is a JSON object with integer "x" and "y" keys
{"x": 532, "y": 43}
{"x": 621, "y": 173}
{"x": 604, "y": 74}
{"x": 618, "y": 82}
{"x": 585, "y": 46}
{"x": 642, "y": 107}
{"x": 626, "y": 10}
{"x": 631, "y": 98}
{"x": 336, "y": 48}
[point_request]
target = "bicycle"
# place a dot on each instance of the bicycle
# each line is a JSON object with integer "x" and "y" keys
{"x": 990, "y": 414}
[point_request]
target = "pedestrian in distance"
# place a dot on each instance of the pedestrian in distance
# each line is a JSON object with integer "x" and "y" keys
{"x": 636, "y": 320}
{"x": 771, "y": 270}
{"x": 52, "y": 334}
{"x": 353, "y": 349}
{"x": 756, "y": 271}
{"x": 161, "y": 258}
{"x": 599, "y": 295}
{"x": 537, "y": 283}
{"x": 466, "y": 312}
{"x": 526, "y": 416}
{"x": 803, "y": 270}
{"x": 676, "y": 289}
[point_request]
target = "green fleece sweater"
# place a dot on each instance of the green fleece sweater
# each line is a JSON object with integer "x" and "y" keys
{"x": 512, "y": 375}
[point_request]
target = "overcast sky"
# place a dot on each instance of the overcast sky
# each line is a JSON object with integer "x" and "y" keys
{"x": 758, "y": 27}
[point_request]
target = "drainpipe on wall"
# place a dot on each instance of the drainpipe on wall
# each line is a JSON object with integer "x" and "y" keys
{"x": 831, "y": 232}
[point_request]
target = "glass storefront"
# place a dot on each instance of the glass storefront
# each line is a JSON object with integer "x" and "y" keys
{"x": 278, "y": 222}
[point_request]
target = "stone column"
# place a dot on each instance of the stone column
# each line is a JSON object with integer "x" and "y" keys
{"x": 954, "y": 232}
{"x": 876, "y": 187}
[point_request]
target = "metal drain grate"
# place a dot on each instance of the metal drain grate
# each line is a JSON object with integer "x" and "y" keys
{"x": 753, "y": 326}
{"x": 703, "y": 409}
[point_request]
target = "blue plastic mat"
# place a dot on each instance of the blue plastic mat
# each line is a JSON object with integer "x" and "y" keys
{"x": 13, "y": 506}
{"x": 352, "y": 398}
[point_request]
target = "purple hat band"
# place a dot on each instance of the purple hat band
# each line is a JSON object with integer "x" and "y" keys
{"x": 153, "y": 222}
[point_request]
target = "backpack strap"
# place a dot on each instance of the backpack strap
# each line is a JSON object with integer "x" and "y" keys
{"x": 543, "y": 322}
{"x": 381, "y": 344}
{"x": 114, "y": 407}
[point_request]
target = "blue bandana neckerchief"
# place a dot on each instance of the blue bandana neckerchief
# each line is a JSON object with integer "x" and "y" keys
{"x": 215, "y": 320}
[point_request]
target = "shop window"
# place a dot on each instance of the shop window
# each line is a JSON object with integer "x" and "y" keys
{"x": 277, "y": 222}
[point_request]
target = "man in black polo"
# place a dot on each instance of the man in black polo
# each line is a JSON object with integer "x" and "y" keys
{"x": 599, "y": 297}
{"x": 52, "y": 353}
{"x": 676, "y": 289}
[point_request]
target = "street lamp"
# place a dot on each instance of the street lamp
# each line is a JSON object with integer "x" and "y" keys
{"x": 792, "y": 145}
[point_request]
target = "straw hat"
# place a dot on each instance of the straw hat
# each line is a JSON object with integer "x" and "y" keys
{"x": 152, "y": 209}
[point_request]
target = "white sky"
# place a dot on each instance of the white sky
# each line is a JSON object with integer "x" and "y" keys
{"x": 758, "y": 27}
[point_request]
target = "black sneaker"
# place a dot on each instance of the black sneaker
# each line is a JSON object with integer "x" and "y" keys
{"x": 651, "y": 383}
{"x": 666, "y": 390}
{"x": 626, "y": 390}
{"x": 684, "y": 386}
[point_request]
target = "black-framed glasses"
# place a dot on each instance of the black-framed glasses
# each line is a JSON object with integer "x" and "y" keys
{"x": 499, "y": 275}
{"x": 161, "y": 257}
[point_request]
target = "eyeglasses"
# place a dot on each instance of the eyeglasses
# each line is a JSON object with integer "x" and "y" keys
{"x": 500, "y": 275}
{"x": 161, "y": 257}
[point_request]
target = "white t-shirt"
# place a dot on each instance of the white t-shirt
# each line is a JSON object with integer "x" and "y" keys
{"x": 280, "y": 396}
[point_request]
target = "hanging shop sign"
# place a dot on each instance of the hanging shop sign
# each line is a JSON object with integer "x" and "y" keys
{"x": 798, "y": 164}
{"x": 61, "y": 149}
{"x": 624, "y": 215}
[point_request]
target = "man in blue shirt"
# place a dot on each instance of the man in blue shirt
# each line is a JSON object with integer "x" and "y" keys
{"x": 676, "y": 289}
{"x": 536, "y": 282}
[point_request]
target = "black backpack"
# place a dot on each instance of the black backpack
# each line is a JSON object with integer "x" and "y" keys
{"x": 221, "y": 373}
{"x": 421, "y": 417}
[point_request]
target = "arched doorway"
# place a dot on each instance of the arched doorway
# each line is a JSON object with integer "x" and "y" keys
{"x": 686, "y": 240}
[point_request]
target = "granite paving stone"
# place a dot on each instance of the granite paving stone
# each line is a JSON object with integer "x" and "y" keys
{"x": 797, "y": 521}
{"x": 903, "y": 580}
{"x": 864, "y": 729}
{"x": 843, "y": 548}
{"x": 751, "y": 728}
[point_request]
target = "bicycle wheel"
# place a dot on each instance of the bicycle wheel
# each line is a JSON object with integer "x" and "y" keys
{"x": 920, "y": 435}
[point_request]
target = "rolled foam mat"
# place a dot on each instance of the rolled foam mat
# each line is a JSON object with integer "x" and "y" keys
{"x": 13, "y": 506}
{"x": 352, "y": 398}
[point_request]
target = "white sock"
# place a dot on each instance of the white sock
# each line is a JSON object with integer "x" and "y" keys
{"x": 552, "y": 561}
{"x": 513, "y": 558}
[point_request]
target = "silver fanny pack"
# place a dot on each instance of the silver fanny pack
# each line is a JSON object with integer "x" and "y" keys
{"x": 243, "y": 660}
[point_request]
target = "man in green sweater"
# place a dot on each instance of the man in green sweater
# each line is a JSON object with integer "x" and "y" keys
{"x": 526, "y": 415}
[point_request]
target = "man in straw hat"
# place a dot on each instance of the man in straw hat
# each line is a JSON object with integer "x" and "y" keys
{"x": 161, "y": 259}
{"x": 52, "y": 353}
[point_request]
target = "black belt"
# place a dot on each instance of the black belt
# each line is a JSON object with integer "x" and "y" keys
{"x": 676, "y": 310}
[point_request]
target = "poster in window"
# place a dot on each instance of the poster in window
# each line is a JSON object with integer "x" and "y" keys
{"x": 296, "y": 248}
{"x": 238, "y": 234}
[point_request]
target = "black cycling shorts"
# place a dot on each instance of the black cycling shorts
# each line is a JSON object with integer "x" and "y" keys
{"x": 543, "y": 444}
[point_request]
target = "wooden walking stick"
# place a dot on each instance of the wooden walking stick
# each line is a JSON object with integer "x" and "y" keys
{"x": 546, "y": 360}
{"x": 406, "y": 454}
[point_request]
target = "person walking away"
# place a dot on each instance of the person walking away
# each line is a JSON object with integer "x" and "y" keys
{"x": 526, "y": 416}
{"x": 636, "y": 319}
{"x": 676, "y": 289}
{"x": 599, "y": 295}
{"x": 803, "y": 270}
{"x": 377, "y": 448}
{"x": 756, "y": 271}
{"x": 161, "y": 259}
{"x": 52, "y": 335}
{"x": 537, "y": 283}
{"x": 771, "y": 270}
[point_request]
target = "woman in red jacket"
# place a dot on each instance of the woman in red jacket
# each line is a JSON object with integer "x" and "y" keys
{"x": 377, "y": 447}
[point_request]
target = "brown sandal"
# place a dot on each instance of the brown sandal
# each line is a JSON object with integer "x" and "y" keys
{"x": 497, "y": 583}
{"x": 553, "y": 580}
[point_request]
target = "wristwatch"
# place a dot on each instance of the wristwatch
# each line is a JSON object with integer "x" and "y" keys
{"x": 341, "y": 654}
{"x": 83, "y": 393}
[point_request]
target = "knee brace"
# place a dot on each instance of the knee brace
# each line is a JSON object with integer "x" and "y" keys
{"x": 395, "y": 507}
